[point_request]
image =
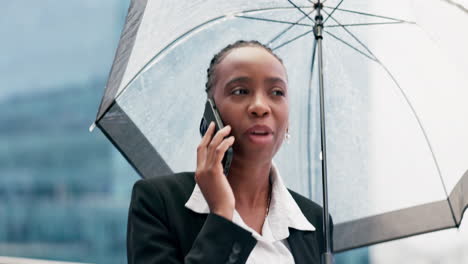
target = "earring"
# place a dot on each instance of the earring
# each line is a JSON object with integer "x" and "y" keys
{"x": 287, "y": 136}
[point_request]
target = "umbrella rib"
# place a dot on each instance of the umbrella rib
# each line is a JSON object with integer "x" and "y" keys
{"x": 459, "y": 6}
{"x": 275, "y": 21}
{"x": 287, "y": 29}
{"x": 333, "y": 11}
{"x": 369, "y": 24}
{"x": 353, "y": 36}
{"x": 300, "y": 10}
{"x": 369, "y": 14}
{"x": 293, "y": 39}
{"x": 351, "y": 46}
{"x": 413, "y": 110}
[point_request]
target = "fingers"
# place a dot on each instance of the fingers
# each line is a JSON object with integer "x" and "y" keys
{"x": 219, "y": 136}
{"x": 212, "y": 148}
{"x": 222, "y": 148}
{"x": 201, "y": 149}
{"x": 208, "y": 135}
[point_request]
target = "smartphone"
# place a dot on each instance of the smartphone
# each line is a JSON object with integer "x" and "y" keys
{"x": 211, "y": 114}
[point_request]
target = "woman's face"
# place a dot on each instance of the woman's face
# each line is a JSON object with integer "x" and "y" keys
{"x": 251, "y": 94}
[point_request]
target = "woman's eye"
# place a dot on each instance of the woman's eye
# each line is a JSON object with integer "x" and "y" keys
{"x": 278, "y": 93}
{"x": 239, "y": 91}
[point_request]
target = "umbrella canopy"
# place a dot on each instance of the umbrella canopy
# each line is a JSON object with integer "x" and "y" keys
{"x": 395, "y": 102}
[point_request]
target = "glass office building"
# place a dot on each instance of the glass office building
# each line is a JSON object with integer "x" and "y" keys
{"x": 64, "y": 192}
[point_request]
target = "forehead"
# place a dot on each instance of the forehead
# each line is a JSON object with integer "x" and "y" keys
{"x": 247, "y": 60}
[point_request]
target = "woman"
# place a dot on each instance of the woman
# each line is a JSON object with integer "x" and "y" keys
{"x": 248, "y": 216}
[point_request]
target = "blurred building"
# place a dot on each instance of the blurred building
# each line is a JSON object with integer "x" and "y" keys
{"x": 59, "y": 198}
{"x": 64, "y": 192}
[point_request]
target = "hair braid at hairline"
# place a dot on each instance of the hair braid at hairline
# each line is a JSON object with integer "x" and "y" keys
{"x": 217, "y": 58}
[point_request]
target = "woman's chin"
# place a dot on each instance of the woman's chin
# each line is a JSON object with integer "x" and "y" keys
{"x": 255, "y": 151}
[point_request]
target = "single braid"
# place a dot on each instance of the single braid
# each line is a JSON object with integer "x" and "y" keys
{"x": 217, "y": 58}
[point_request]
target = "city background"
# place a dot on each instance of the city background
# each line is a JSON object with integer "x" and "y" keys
{"x": 64, "y": 192}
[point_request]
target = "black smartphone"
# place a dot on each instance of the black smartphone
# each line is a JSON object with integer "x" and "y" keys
{"x": 211, "y": 114}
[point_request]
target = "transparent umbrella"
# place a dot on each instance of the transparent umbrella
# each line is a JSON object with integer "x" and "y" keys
{"x": 394, "y": 130}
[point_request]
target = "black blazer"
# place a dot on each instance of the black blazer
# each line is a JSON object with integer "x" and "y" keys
{"x": 162, "y": 230}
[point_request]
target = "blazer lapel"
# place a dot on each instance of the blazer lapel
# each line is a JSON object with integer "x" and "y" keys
{"x": 303, "y": 246}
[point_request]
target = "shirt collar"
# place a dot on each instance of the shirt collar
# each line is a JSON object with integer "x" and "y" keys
{"x": 284, "y": 212}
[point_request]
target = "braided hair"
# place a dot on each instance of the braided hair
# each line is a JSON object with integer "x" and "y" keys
{"x": 211, "y": 71}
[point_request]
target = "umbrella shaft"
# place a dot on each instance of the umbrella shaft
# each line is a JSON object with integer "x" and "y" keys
{"x": 326, "y": 216}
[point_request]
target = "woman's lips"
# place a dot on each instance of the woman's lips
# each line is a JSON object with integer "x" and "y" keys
{"x": 260, "y": 134}
{"x": 260, "y": 139}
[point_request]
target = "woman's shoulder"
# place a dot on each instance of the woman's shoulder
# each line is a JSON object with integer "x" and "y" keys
{"x": 309, "y": 208}
{"x": 177, "y": 186}
{"x": 181, "y": 179}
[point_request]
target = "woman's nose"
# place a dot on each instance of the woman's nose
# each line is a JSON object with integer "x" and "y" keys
{"x": 259, "y": 107}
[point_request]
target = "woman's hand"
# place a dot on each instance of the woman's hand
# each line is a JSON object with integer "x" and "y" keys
{"x": 209, "y": 174}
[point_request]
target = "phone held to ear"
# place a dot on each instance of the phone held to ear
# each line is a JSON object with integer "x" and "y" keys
{"x": 211, "y": 114}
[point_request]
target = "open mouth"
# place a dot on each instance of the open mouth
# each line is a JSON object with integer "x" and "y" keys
{"x": 260, "y": 133}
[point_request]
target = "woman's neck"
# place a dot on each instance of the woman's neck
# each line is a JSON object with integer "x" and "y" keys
{"x": 250, "y": 182}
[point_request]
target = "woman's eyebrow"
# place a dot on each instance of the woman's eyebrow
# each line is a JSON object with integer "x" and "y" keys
{"x": 245, "y": 79}
{"x": 241, "y": 79}
{"x": 275, "y": 80}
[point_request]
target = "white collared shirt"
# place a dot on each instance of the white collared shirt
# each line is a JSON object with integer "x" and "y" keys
{"x": 272, "y": 246}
